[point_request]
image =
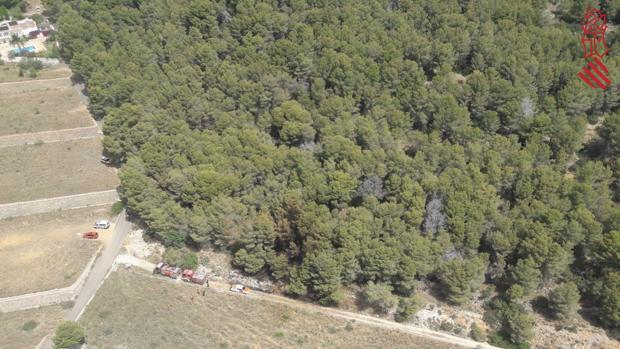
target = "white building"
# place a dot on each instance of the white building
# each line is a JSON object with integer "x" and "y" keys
{"x": 22, "y": 28}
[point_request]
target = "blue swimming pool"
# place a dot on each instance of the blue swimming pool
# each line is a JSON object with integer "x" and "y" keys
{"x": 23, "y": 49}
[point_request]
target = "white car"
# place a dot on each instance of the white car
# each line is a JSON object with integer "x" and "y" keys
{"x": 101, "y": 224}
{"x": 240, "y": 289}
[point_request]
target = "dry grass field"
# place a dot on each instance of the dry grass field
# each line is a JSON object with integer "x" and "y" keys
{"x": 10, "y": 72}
{"x": 33, "y": 85}
{"x": 42, "y": 110}
{"x": 17, "y": 327}
{"x": 141, "y": 311}
{"x": 46, "y": 251}
{"x": 53, "y": 169}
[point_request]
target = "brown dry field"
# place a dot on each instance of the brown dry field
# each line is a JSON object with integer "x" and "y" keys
{"x": 15, "y": 337}
{"x": 33, "y": 85}
{"x": 142, "y": 311}
{"x": 48, "y": 170}
{"x": 42, "y": 110}
{"x": 10, "y": 72}
{"x": 46, "y": 251}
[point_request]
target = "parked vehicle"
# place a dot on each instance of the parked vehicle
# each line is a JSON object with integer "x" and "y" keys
{"x": 91, "y": 235}
{"x": 167, "y": 270}
{"x": 238, "y": 288}
{"x": 106, "y": 160}
{"x": 187, "y": 275}
{"x": 199, "y": 277}
{"x": 101, "y": 224}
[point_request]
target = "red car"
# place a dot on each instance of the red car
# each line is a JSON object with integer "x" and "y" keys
{"x": 91, "y": 235}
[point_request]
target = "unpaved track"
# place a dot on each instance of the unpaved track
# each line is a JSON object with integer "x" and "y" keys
{"x": 223, "y": 287}
{"x": 24, "y": 208}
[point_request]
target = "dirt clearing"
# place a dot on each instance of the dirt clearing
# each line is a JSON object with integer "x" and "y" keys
{"x": 10, "y": 72}
{"x": 53, "y": 169}
{"x": 141, "y": 311}
{"x": 46, "y": 251}
{"x": 42, "y": 110}
{"x": 25, "y": 329}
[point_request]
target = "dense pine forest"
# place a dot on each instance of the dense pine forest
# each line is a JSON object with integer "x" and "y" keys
{"x": 387, "y": 144}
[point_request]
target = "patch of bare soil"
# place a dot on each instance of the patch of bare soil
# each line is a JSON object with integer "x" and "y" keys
{"x": 591, "y": 130}
{"x": 136, "y": 246}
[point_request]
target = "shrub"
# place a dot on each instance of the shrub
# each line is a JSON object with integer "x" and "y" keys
{"x": 379, "y": 297}
{"x": 30, "y": 325}
{"x": 181, "y": 257}
{"x": 477, "y": 333}
{"x": 32, "y": 66}
{"x": 68, "y": 334}
{"x": 406, "y": 308}
{"x": 117, "y": 207}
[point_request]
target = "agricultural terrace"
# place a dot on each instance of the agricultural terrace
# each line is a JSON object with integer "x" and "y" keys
{"x": 10, "y": 73}
{"x": 47, "y": 170}
{"x": 36, "y": 106}
{"x": 49, "y": 247}
{"x": 25, "y": 329}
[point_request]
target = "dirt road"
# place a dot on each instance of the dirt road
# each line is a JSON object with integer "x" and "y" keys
{"x": 223, "y": 287}
{"x": 23, "y": 208}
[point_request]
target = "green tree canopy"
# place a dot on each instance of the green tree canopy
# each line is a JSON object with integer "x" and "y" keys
{"x": 68, "y": 335}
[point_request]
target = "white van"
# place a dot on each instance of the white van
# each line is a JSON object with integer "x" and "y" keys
{"x": 101, "y": 224}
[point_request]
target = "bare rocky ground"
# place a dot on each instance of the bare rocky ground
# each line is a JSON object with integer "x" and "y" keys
{"x": 137, "y": 247}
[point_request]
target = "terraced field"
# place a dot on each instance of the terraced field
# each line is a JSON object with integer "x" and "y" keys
{"x": 53, "y": 169}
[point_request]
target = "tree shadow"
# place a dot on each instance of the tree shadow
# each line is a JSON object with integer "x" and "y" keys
{"x": 540, "y": 305}
{"x": 593, "y": 150}
{"x": 590, "y": 315}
